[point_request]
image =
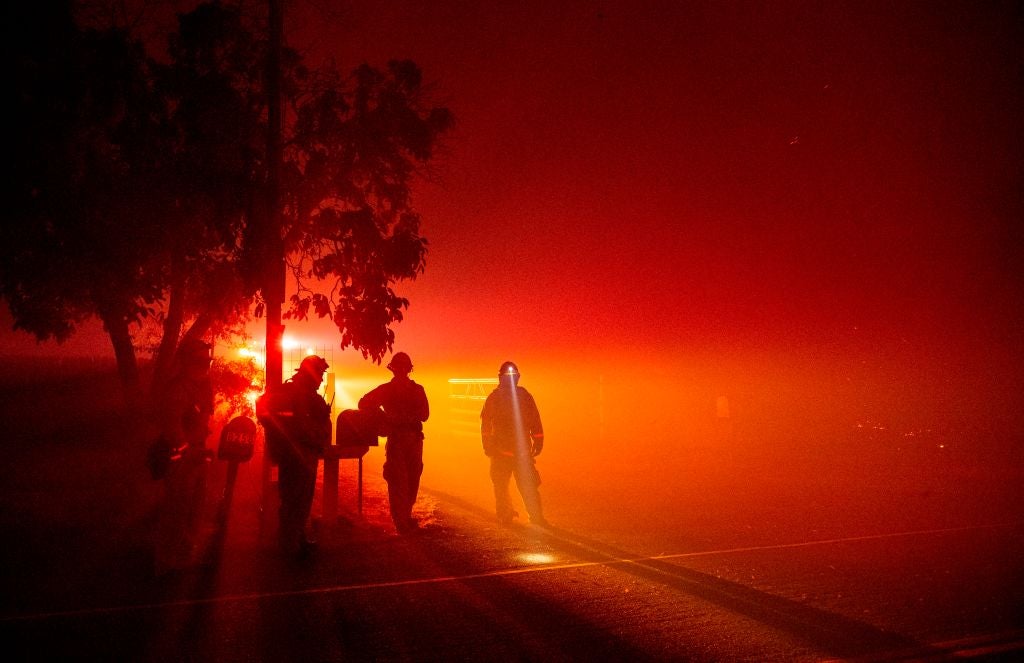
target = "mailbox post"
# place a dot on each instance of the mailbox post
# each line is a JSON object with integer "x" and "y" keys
{"x": 356, "y": 431}
{"x": 333, "y": 456}
{"x": 237, "y": 440}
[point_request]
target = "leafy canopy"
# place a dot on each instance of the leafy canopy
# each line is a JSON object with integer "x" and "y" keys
{"x": 139, "y": 191}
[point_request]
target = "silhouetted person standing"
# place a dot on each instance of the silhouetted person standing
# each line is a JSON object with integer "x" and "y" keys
{"x": 184, "y": 411}
{"x": 405, "y": 407}
{"x": 298, "y": 428}
{"x": 513, "y": 436}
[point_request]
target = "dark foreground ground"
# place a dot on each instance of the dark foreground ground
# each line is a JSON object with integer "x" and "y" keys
{"x": 709, "y": 555}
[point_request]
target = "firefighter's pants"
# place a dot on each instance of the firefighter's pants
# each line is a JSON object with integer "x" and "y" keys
{"x": 503, "y": 468}
{"x": 403, "y": 465}
{"x": 180, "y": 513}
{"x": 296, "y": 482}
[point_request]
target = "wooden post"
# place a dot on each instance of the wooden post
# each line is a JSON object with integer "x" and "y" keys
{"x": 333, "y": 456}
{"x": 272, "y": 248}
{"x": 330, "y": 510}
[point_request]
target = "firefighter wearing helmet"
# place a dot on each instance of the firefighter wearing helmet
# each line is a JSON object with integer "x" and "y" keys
{"x": 405, "y": 407}
{"x": 513, "y": 437}
{"x": 297, "y": 422}
{"x": 185, "y": 407}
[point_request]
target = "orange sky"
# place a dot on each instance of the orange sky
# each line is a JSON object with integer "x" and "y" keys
{"x": 634, "y": 182}
{"x": 708, "y": 175}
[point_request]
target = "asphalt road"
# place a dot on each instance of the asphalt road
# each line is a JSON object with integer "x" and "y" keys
{"x": 468, "y": 589}
{"x": 868, "y": 554}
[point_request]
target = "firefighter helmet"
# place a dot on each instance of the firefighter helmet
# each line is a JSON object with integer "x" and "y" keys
{"x": 400, "y": 363}
{"x": 509, "y": 372}
{"x": 313, "y": 365}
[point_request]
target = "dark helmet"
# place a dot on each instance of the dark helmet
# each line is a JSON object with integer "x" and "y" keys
{"x": 314, "y": 366}
{"x": 400, "y": 363}
{"x": 508, "y": 368}
{"x": 194, "y": 352}
{"x": 508, "y": 372}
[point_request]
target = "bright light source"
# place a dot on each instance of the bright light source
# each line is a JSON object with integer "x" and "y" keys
{"x": 536, "y": 558}
{"x": 254, "y": 356}
{"x": 251, "y": 397}
{"x": 288, "y": 343}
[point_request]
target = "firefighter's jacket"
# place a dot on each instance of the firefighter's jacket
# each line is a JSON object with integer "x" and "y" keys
{"x": 501, "y": 433}
{"x": 404, "y": 403}
{"x": 297, "y": 420}
{"x": 186, "y": 409}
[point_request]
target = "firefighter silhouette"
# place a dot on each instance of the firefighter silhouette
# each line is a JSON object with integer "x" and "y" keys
{"x": 512, "y": 436}
{"x": 297, "y": 422}
{"x": 405, "y": 407}
{"x": 184, "y": 410}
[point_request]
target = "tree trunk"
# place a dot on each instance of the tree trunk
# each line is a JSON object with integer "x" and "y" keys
{"x": 124, "y": 352}
{"x": 171, "y": 328}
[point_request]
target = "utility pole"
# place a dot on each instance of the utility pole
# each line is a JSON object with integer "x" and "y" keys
{"x": 274, "y": 267}
{"x": 273, "y": 263}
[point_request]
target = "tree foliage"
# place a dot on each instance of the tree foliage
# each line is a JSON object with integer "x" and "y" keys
{"x": 359, "y": 139}
{"x": 139, "y": 187}
{"x": 78, "y": 238}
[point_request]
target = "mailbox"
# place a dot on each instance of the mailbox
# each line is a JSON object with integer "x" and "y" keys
{"x": 359, "y": 428}
{"x": 355, "y": 432}
{"x": 237, "y": 440}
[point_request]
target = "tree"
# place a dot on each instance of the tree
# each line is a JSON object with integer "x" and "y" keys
{"x": 350, "y": 160}
{"x": 144, "y": 204}
{"x": 86, "y": 129}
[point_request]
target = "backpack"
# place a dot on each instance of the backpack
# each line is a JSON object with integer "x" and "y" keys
{"x": 275, "y": 410}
